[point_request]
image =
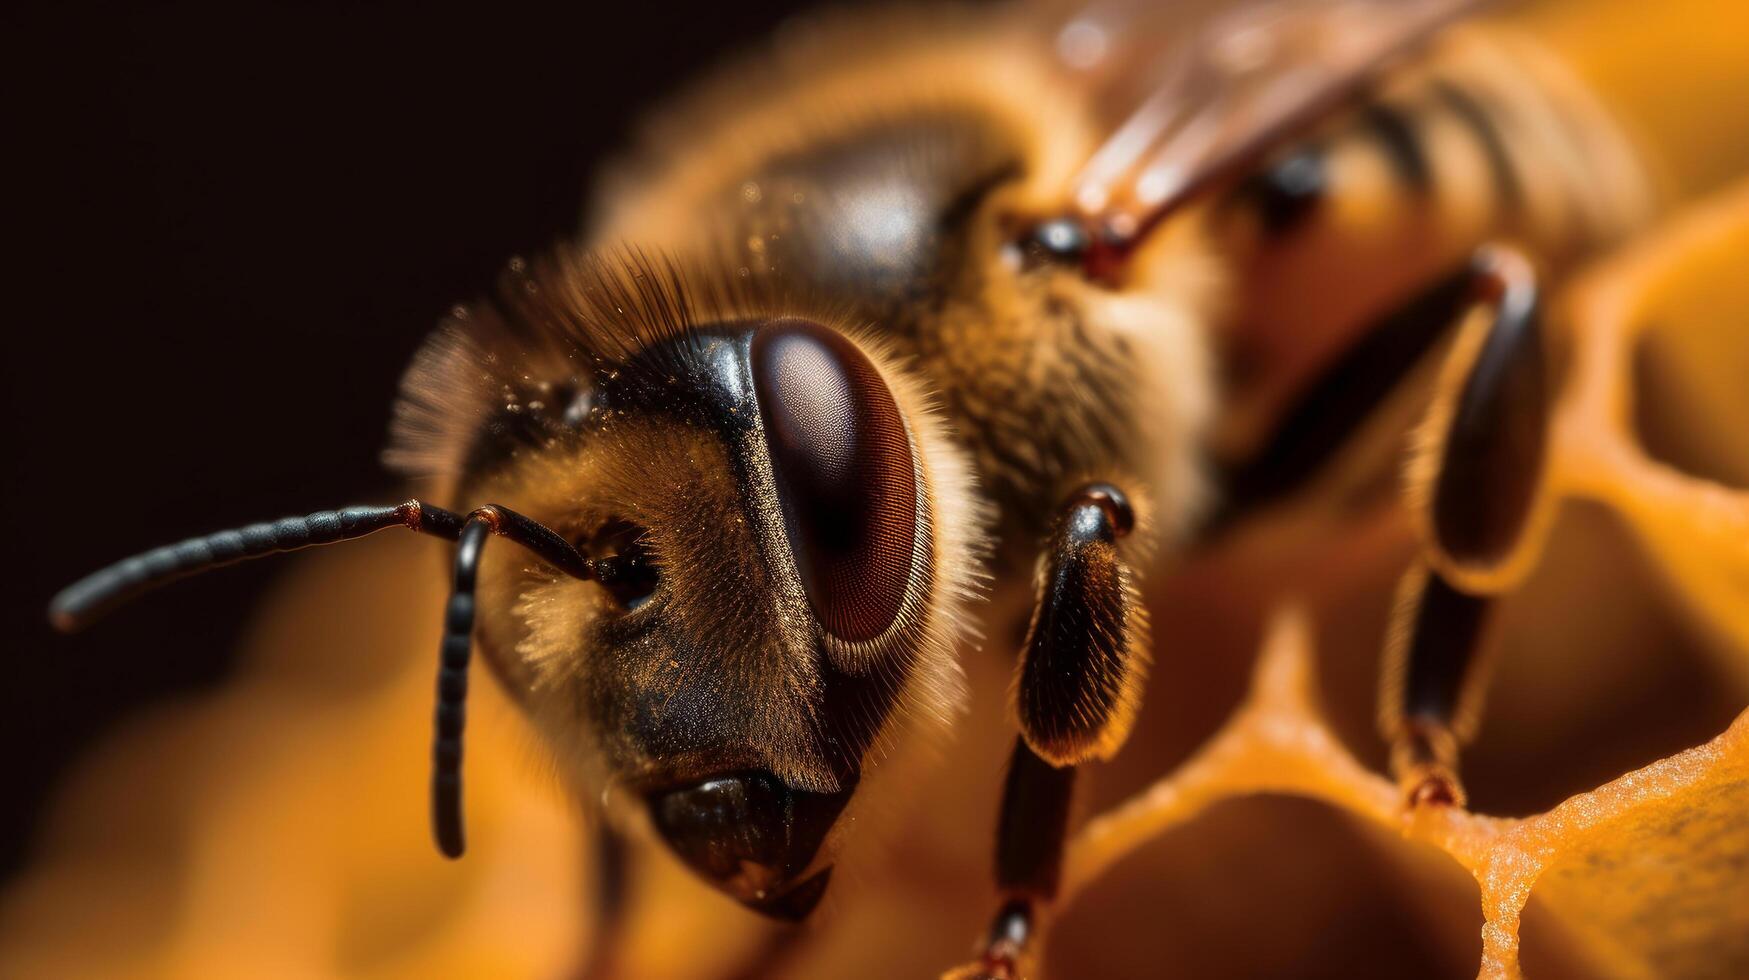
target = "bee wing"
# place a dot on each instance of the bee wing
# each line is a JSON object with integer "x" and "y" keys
{"x": 1214, "y": 85}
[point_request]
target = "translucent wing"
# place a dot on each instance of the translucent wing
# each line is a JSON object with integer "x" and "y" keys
{"x": 1216, "y": 84}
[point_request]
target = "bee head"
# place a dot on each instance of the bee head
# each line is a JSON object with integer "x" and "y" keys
{"x": 793, "y": 540}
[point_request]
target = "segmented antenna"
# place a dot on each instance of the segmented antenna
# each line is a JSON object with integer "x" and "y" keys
{"x": 83, "y": 602}
{"x": 450, "y": 718}
{"x": 456, "y": 649}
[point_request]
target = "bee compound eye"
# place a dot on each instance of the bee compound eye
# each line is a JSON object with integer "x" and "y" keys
{"x": 844, "y": 471}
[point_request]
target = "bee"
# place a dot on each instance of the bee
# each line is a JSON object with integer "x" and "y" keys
{"x": 952, "y": 324}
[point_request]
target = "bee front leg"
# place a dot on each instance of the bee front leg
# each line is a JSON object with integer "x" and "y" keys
{"x": 1477, "y": 488}
{"x": 1076, "y": 697}
{"x": 607, "y": 867}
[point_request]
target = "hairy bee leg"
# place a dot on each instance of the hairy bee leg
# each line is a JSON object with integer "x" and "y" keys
{"x": 1432, "y": 679}
{"x": 1030, "y": 834}
{"x": 1494, "y": 444}
{"x": 1490, "y": 437}
{"x": 1076, "y": 698}
{"x": 1339, "y": 400}
{"x": 1080, "y": 668}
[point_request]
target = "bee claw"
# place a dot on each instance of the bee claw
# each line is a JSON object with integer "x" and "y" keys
{"x": 1010, "y": 951}
{"x": 1434, "y": 785}
{"x": 1424, "y": 760}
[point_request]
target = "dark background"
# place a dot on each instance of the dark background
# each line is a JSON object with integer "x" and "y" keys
{"x": 227, "y": 228}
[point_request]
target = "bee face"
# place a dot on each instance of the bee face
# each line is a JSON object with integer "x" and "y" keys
{"x": 787, "y": 605}
{"x": 805, "y": 519}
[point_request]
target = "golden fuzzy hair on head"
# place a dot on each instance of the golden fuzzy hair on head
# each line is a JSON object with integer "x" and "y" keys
{"x": 502, "y": 407}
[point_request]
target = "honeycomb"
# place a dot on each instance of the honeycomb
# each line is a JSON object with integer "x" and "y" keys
{"x": 278, "y": 827}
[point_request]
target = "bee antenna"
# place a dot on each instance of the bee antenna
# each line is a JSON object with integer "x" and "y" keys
{"x": 456, "y": 650}
{"x": 81, "y": 603}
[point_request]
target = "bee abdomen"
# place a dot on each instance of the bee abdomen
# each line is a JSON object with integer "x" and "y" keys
{"x": 1482, "y": 139}
{"x": 1438, "y": 151}
{"x": 1471, "y": 147}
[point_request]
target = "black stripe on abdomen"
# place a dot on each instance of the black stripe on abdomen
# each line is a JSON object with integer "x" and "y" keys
{"x": 1396, "y": 134}
{"x": 1474, "y": 115}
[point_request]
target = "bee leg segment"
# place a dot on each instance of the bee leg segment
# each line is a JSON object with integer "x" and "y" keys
{"x": 1076, "y": 697}
{"x": 1080, "y": 664}
{"x": 1432, "y": 681}
{"x": 1483, "y": 477}
{"x": 1492, "y": 451}
{"x": 1031, "y": 830}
